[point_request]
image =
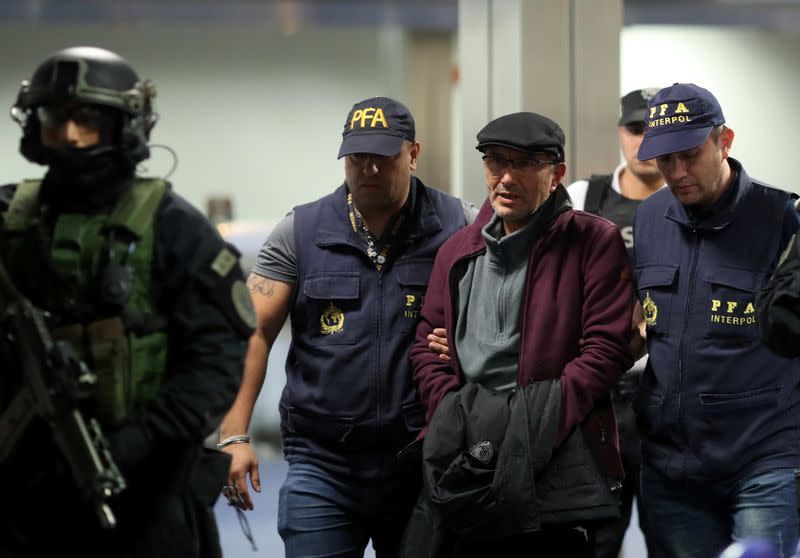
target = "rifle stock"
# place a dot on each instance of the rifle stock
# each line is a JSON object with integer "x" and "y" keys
{"x": 54, "y": 381}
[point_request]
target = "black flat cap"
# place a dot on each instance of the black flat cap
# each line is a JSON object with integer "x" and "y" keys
{"x": 525, "y": 131}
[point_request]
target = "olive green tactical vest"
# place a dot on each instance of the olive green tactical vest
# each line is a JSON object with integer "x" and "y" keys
{"x": 124, "y": 342}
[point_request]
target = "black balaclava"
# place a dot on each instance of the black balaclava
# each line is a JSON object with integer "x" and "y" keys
{"x": 91, "y": 179}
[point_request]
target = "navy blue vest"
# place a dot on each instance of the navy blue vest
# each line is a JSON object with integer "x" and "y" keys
{"x": 348, "y": 378}
{"x": 714, "y": 402}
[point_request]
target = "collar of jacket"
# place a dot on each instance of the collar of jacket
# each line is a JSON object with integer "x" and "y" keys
{"x": 723, "y": 211}
{"x": 422, "y": 220}
{"x": 560, "y": 211}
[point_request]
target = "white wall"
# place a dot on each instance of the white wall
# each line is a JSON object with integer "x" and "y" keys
{"x": 251, "y": 111}
{"x": 752, "y": 73}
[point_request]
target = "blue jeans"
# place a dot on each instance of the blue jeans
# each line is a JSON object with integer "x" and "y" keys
{"x": 687, "y": 519}
{"x": 321, "y": 513}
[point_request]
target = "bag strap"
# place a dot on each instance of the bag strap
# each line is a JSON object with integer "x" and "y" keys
{"x": 596, "y": 191}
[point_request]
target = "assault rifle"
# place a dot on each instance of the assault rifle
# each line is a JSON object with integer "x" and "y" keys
{"x": 53, "y": 383}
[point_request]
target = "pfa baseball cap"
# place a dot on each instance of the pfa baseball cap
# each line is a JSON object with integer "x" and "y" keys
{"x": 680, "y": 117}
{"x": 378, "y": 126}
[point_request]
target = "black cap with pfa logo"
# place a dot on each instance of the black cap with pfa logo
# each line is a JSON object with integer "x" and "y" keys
{"x": 377, "y": 126}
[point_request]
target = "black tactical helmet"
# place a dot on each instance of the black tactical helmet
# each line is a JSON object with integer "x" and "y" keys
{"x": 93, "y": 76}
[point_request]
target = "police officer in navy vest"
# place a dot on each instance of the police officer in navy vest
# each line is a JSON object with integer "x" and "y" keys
{"x": 145, "y": 292}
{"x": 718, "y": 409}
{"x": 351, "y": 270}
{"x": 616, "y": 197}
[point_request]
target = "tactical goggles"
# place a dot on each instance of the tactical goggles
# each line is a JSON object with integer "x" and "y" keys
{"x": 86, "y": 116}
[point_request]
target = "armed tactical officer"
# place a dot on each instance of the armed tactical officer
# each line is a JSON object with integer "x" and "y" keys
{"x": 145, "y": 292}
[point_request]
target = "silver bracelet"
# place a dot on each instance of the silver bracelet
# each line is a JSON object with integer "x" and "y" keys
{"x": 238, "y": 439}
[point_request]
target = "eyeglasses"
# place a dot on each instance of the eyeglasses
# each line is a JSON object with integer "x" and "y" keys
{"x": 498, "y": 165}
{"x": 82, "y": 115}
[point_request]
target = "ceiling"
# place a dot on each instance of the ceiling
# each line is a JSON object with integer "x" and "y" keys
{"x": 432, "y": 14}
{"x": 775, "y": 14}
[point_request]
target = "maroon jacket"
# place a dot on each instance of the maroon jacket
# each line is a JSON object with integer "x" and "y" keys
{"x": 576, "y": 322}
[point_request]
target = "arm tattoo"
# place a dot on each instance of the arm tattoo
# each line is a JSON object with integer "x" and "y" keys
{"x": 260, "y": 285}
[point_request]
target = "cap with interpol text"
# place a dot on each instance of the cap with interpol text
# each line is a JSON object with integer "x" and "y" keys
{"x": 679, "y": 118}
{"x": 378, "y": 126}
